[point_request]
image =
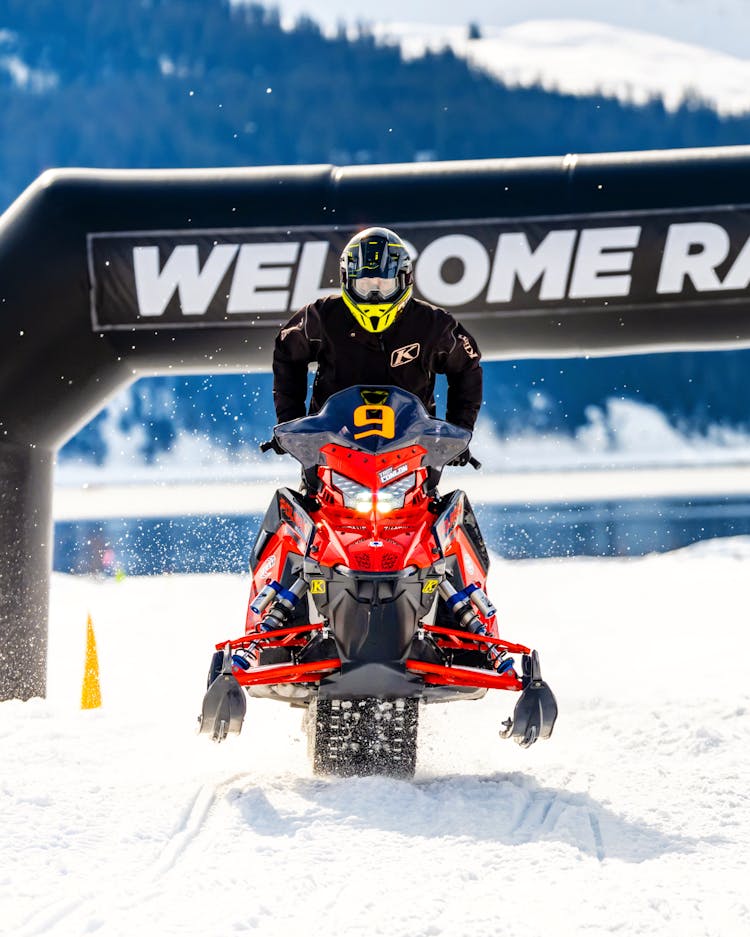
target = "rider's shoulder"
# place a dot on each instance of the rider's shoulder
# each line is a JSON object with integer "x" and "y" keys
{"x": 315, "y": 315}
{"x": 327, "y": 305}
{"x": 433, "y": 319}
{"x": 320, "y": 307}
{"x": 437, "y": 313}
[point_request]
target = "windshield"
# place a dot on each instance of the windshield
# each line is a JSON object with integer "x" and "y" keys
{"x": 372, "y": 419}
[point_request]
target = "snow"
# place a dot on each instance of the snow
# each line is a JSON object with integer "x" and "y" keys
{"x": 26, "y": 78}
{"x": 621, "y": 434}
{"x": 715, "y": 24}
{"x": 624, "y": 450}
{"x": 624, "y": 434}
{"x": 584, "y": 57}
{"x": 224, "y": 499}
{"x": 633, "y": 819}
{"x": 21, "y": 74}
{"x": 668, "y": 49}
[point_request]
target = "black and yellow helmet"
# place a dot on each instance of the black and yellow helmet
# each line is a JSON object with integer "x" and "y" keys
{"x": 376, "y": 278}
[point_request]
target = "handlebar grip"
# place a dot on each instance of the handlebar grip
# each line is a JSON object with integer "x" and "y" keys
{"x": 267, "y": 445}
{"x": 475, "y": 463}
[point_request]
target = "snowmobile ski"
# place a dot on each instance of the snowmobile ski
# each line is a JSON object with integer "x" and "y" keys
{"x": 536, "y": 710}
{"x": 224, "y": 704}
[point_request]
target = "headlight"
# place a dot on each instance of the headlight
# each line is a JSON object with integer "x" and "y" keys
{"x": 361, "y": 499}
{"x": 393, "y": 497}
{"x": 356, "y": 496}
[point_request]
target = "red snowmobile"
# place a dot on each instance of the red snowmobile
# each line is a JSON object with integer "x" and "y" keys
{"x": 368, "y": 593}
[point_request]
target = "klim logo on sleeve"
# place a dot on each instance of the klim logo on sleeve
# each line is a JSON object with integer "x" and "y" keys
{"x": 247, "y": 277}
{"x": 468, "y": 347}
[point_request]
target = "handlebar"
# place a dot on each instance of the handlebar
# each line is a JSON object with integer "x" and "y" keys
{"x": 272, "y": 445}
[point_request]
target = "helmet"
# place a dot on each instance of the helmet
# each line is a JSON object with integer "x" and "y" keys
{"x": 376, "y": 278}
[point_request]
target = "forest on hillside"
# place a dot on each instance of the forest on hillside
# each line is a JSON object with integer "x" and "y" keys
{"x": 180, "y": 83}
{"x": 197, "y": 83}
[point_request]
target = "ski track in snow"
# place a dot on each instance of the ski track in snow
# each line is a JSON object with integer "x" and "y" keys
{"x": 633, "y": 819}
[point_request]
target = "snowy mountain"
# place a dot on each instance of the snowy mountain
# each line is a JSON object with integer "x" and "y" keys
{"x": 721, "y": 25}
{"x": 671, "y": 49}
{"x": 587, "y": 57}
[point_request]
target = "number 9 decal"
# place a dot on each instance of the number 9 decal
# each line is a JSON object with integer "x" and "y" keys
{"x": 381, "y": 420}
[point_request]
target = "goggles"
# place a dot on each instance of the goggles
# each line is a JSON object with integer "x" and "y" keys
{"x": 385, "y": 286}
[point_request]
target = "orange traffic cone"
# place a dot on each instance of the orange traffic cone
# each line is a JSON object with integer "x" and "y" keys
{"x": 91, "y": 693}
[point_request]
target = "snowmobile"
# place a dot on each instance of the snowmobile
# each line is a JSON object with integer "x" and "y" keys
{"x": 368, "y": 595}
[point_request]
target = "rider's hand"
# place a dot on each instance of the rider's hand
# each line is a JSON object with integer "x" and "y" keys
{"x": 274, "y": 444}
{"x": 463, "y": 458}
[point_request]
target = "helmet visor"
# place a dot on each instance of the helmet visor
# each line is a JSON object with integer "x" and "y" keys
{"x": 385, "y": 286}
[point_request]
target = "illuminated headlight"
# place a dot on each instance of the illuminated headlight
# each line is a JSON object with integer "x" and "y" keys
{"x": 392, "y": 498}
{"x": 356, "y": 496}
{"x": 361, "y": 499}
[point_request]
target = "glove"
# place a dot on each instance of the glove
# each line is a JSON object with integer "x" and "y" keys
{"x": 274, "y": 444}
{"x": 463, "y": 458}
{"x": 466, "y": 458}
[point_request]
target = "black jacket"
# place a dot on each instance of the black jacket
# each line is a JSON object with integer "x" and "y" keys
{"x": 422, "y": 342}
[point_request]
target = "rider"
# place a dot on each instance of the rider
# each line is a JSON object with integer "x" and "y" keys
{"x": 376, "y": 332}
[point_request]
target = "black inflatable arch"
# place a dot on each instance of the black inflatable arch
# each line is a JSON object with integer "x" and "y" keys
{"x": 107, "y": 276}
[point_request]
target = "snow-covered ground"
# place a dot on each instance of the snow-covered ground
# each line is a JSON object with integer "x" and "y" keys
{"x": 196, "y": 499}
{"x": 633, "y": 819}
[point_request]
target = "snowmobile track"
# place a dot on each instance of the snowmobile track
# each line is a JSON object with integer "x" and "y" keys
{"x": 347, "y": 738}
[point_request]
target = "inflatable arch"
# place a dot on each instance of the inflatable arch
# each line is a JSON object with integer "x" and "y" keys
{"x": 106, "y": 276}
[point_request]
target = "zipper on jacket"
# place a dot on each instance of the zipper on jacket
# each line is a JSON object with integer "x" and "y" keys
{"x": 386, "y": 356}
